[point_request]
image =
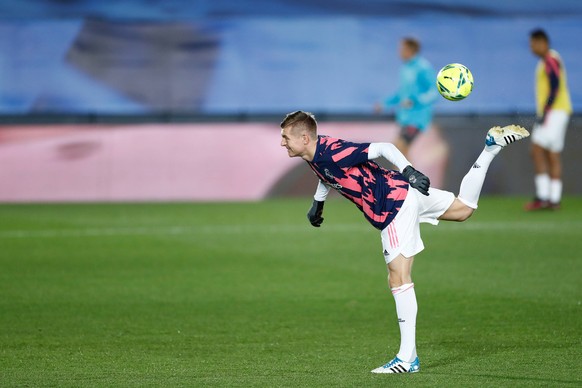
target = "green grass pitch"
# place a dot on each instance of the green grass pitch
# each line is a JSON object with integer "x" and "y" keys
{"x": 250, "y": 294}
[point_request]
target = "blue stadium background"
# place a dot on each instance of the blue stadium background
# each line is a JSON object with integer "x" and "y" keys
{"x": 266, "y": 57}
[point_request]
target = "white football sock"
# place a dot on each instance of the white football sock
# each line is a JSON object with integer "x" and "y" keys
{"x": 472, "y": 183}
{"x": 555, "y": 191}
{"x": 406, "y": 309}
{"x": 542, "y": 182}
{"x": 494, "y": 149}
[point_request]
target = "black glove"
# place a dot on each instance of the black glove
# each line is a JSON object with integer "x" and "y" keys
{"x": 314, "y": 214}
{"x": 416, "y": 179}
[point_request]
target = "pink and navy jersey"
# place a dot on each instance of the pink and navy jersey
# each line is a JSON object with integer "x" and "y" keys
{"x": 379, "y": 193}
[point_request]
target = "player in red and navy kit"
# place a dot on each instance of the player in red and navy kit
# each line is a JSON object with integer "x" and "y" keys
{"x": 395, "y": 202}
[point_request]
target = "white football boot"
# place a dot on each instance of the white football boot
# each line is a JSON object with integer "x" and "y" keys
{"x": 399, "y": 366}
{"x": 506, "y": 135}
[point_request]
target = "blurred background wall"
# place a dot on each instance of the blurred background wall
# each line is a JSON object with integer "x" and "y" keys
{"x": 181, "y": 100}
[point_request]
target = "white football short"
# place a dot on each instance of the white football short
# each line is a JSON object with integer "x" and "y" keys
{"x": 552, "y": 134}
{"x": 402, "y": 235}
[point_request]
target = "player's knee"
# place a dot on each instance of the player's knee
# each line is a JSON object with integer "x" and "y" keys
{"x": 465, "y": 213}
{"x": 462, "y": 212}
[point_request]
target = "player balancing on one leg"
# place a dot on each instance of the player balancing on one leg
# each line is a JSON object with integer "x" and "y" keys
{"x": 388, "y": 203}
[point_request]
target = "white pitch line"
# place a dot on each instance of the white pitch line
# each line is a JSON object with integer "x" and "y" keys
{"x": 571, "y": 227}
{"x": 173, "y": 230}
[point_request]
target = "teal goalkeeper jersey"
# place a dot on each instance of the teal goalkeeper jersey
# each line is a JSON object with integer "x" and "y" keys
{"x": 417, "y": 83}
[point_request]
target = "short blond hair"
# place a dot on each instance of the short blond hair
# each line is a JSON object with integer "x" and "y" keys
{"x": 300, "y": 120}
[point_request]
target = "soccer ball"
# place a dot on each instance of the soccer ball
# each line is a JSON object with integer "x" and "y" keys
{"x": 454, "y": 82}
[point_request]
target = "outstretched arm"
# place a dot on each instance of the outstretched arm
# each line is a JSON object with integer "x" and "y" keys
{"x": 316, "y": 211}
{"x": 321, "y": 192}
{"x": 389, "y": 152}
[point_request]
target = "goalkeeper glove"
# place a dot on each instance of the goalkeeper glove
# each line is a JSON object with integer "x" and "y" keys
{"x": 314, "y": 214}
{"x": 416, "y": 179}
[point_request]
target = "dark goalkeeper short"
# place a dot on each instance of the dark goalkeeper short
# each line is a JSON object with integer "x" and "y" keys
{"x": 409, "y": 133}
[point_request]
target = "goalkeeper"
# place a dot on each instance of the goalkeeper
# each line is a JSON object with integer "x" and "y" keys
{"x": 389, "y": 204}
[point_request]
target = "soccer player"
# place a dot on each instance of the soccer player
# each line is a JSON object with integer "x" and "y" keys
{"x": 553, "y": 108}
{"x": 415, "y": 97}
{"x": 394, "y": 202}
